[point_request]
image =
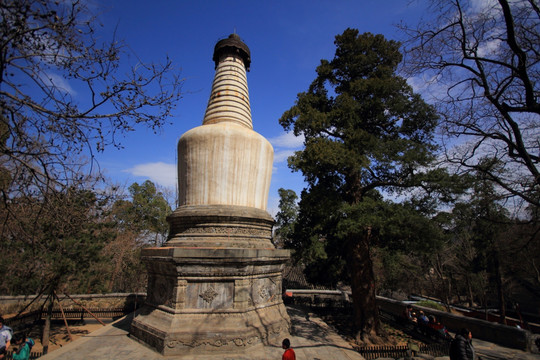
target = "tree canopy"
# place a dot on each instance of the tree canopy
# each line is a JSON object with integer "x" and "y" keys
{"x": 365, "y": 131}
{"x": 58, "y": 249}
{"x": 81, "y": 241}
{"x": 146, "y": 212}
{"x": 68, "y": 89}
{"x": 286, "y": 217}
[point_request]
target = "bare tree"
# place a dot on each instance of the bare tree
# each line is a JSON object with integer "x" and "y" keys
{"x": 481, "y": 62}
{"x": 65, "y": 94}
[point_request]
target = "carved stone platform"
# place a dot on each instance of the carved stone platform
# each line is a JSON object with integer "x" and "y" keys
{"x": 212, "y": 300}
{"x": 227, "y": 226}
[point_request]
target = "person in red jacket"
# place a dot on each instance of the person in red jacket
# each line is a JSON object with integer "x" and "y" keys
{"x": 289, "y": 353}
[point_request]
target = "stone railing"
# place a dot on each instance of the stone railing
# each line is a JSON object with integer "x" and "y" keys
{"x": 504, "y": 335}
{"x": 320, "y": 298}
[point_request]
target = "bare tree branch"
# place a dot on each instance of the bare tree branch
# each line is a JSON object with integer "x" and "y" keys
{"x": 487, "y": 62}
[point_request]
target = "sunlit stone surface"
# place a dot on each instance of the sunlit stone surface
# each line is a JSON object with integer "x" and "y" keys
{"x": 215, "y": 286}
{"x": 224, "y": 163}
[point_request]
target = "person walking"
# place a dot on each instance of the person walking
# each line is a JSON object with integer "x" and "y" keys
{"x": 23, "y": 352}
{"x": 289, "y": 353}
{"x": 5, "y": 338}
{"x": 461, "y": 347}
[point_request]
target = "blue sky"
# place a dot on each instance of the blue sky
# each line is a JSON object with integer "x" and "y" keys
{"x": 287, "y": 40}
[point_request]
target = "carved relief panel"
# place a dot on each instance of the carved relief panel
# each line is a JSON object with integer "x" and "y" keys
{"x": 265, "y": 290}
{"x": 162, "y": 290}
{"x": 216, "y": 295}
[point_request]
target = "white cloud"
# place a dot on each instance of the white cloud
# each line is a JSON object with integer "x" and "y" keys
{"x": 158, "y": 172}
{"x": 285, "y": 145}
{"x": 282, "y": 155}
{"x": 483, "y": 6}
{"x": 287, "y": 140}
{"x": 489, "y": 48}
{"x": 59, "y": 82}
{"x": 429, "y": 86}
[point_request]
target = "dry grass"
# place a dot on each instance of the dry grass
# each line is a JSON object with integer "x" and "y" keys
{"x": 342, "y": 324}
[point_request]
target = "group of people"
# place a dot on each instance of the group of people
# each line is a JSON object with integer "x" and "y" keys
{"x": 429, "y": 326}
{"x": 461, "y": 347}
{"x": 23, "y": 344}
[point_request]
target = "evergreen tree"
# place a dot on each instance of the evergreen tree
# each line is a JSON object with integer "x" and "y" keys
{"x": 365, "y": 129}
{"x": 286, "y": 218}
{"x": 141, "y": 221}
{"x": 59, "y": 250}
{"x": 480, "y": 231}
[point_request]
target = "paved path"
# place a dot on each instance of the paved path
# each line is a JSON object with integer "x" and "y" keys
{"x": 312, "y": 339}
{"x": 490, "y": 351}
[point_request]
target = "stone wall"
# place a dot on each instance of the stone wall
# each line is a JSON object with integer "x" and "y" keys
{"x": 504, "y": 335}
{"x": 13, "y": 304}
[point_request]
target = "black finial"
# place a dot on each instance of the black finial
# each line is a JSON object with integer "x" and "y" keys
{"x": 232, "y": 45}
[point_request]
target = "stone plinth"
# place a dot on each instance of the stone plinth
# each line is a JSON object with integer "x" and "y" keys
{"x": 220, "y": 226}
{"x": 212, "y": 300}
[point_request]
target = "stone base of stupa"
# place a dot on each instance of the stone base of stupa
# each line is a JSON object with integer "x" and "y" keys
{"x": 220, "y": 226}
{"x": 204, "y": 300}
{"x": 212, "y": 300}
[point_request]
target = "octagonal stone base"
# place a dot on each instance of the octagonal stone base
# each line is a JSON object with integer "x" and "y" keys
{"x": 212, "y": 300}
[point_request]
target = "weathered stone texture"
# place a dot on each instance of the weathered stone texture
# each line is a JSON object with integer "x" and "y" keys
{"x": 215, "y": 287}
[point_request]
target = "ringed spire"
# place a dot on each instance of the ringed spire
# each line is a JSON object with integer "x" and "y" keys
{"x": 229, "y": 98}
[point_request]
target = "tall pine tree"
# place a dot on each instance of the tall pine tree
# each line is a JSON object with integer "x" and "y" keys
{"x": 365, "y": 130}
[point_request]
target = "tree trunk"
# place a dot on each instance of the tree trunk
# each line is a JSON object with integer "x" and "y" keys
{"x": 366, "y": 314}
{"x": 443, "y": 286}
{"x": 47, "y": 326}
{"x": 500, "y": 290}
{"x": 484, "y": 295}
{"x": 448, "y": 293}
{"x": 470, "y": 292}
{"x": 117, "y": 267}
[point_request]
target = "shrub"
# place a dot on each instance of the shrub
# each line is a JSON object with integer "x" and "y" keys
{"x": 431, "y": 304}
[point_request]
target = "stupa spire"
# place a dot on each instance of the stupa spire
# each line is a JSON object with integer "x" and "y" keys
{"x": 229, "y": 98}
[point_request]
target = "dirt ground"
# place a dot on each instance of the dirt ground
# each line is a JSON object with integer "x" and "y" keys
{"x": 59, "y": 335}
{"x": 341, "y": 323}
